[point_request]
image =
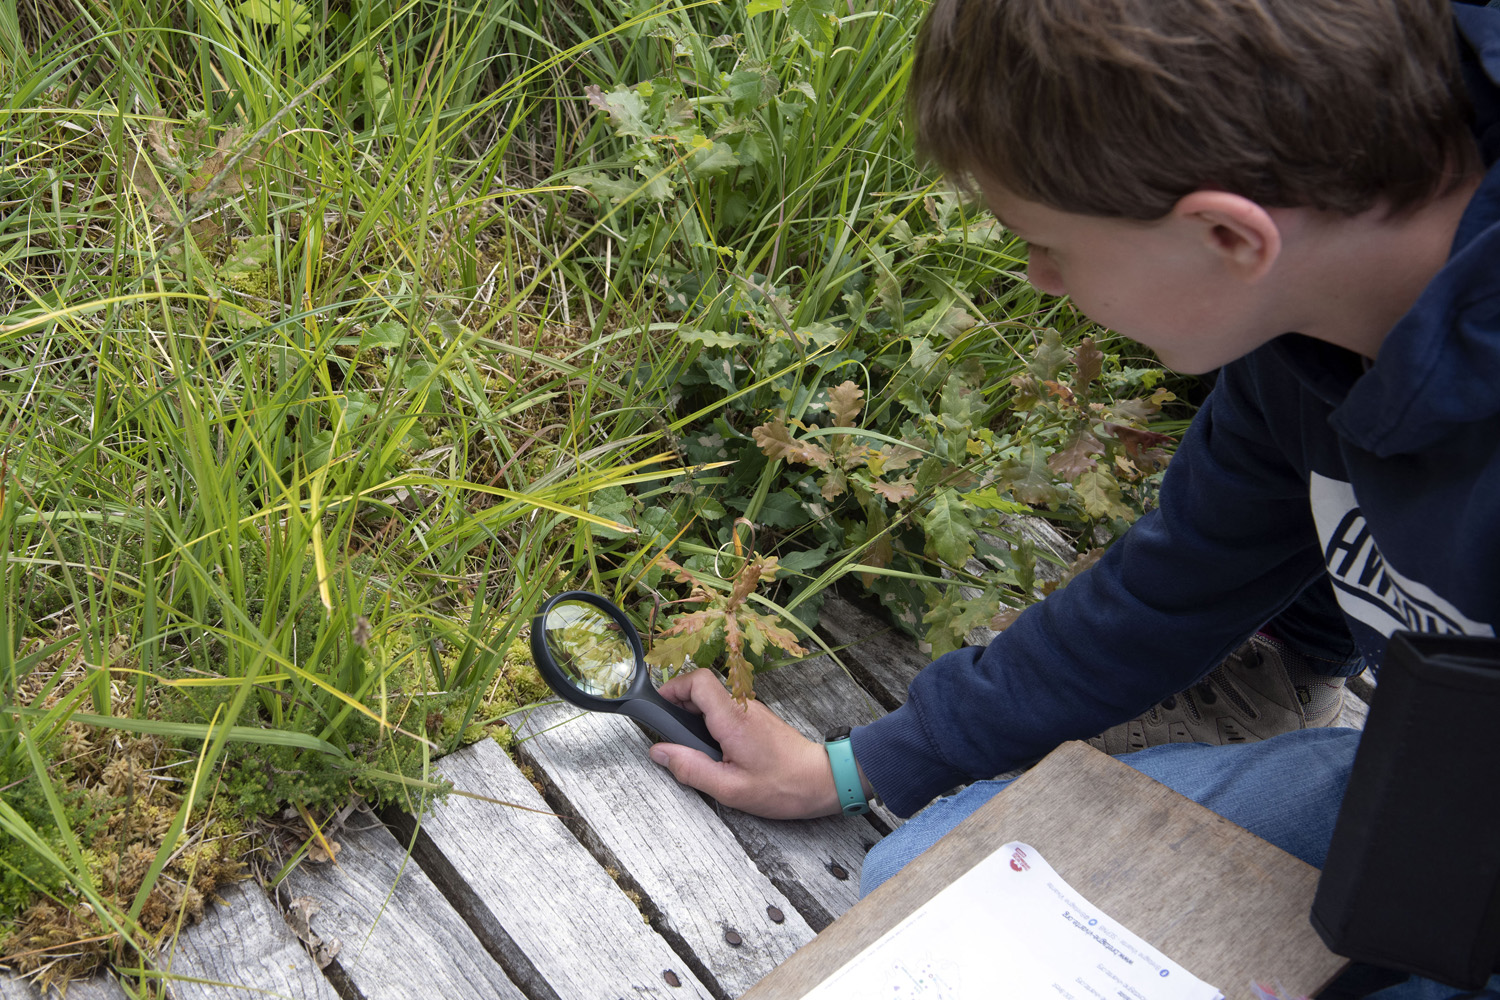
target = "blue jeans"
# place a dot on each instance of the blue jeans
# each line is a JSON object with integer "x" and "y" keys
{"x": 1285, "y": 790}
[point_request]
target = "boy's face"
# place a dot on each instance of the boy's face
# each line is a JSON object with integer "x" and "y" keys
{"x": 1165, "y": 283}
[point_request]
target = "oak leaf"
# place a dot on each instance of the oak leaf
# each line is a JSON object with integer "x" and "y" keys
{"x": 1100, "y": 493}
{"x": 682, "y": 641}
{"x": 741, "y": 673}
{"x": 776, "y": 441}
{"x": 901, "y": 489}
{"x": 1090, "y": 362}
{"x": 844, "y": 403}
{"x": 1062, "y": 392}
{"x": 1137, "y": 442}
{"x": 1074, "y": 460}
{"x": 1028, "y": 479}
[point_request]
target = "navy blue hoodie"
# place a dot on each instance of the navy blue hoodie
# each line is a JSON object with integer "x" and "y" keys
{"x": 1301, "y": 463}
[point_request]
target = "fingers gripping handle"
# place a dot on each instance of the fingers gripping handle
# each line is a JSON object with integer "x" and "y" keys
{"x": 676, "y": 725}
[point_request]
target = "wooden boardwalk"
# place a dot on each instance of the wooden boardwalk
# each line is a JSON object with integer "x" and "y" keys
{"x": 615, "y": 882}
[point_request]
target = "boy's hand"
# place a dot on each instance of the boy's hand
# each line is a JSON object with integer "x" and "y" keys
{"x": 769, "y": 768}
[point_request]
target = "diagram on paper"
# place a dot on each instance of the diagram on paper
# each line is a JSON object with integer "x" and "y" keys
{"x": 928, "y": 981}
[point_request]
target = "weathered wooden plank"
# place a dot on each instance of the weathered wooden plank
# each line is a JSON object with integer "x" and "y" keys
{"x": 399, "y": 939}
{"x": 817, "y": 696}
{"x": 1353, "y": 712}
{"x": 814, "y": 863}
{"x": 101, "y": 987}
{"x": 698, "y": 885}
{"x": 1363, "y": 686}
{"x": 241, "y": 948}
{"x": 15, "y": 988}
{"x": 561, "y": 927}
{"x": 883, "y": 659}
{"x": 1126, "y": 843}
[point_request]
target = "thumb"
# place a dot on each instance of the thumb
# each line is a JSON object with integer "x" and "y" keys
{"x": 693, "y": 768}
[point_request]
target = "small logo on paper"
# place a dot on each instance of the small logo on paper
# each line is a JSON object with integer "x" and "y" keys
{"x": 1018, "y": 860}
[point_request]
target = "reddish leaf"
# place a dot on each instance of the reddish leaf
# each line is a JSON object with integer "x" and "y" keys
{"x": 1137, "y": 442}
{"x": 1074, "y": 460}
{"x": 757, "y": 570}
{"x": 741, "y": 673}
{"x": 1061, "y": 391}
{"x": 1090, "y": 362}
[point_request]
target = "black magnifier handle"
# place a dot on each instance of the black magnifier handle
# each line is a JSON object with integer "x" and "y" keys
{"x": 676, "y": 725}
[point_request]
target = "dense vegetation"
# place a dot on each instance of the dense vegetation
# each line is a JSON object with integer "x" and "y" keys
{"x": 333, "y": 338}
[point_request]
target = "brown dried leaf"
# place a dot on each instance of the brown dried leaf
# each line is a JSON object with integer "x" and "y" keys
{"x": 901, "y": 489}
{"x": 834, "y": 484}
{"x": 317, "y": 855}
{"x": 1060, "y": 391}
{"x": 1090, "y": 362}
{"x": 164, "y": 143}
{"x": 1074, "y": 460}
{"x": 741, "y": 673}
{"x": 761, "y": 569}
{"x": 844, "y": 402}
{"x": 143, "y": 178}
{"x": 776, "y": 441}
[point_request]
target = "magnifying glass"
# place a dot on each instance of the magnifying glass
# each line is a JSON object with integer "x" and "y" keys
{"x": 591, "y": 656}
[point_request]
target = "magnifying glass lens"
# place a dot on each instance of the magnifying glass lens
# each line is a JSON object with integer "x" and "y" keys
{"x": 590, "y": 649}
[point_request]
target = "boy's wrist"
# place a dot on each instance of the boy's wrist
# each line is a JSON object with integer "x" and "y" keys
{"x": 851, "y": 787}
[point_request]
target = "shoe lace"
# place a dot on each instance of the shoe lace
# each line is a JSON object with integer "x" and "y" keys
{"x": 1205, "y": 693}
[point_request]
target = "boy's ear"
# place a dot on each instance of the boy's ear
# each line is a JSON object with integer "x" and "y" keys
{"x": 1237, "y": 229}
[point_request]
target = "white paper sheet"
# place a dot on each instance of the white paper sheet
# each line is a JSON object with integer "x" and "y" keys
{"x": 1010, "y": 927}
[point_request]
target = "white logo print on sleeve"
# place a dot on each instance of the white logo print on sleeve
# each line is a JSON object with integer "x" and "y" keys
{"x": 1369, "y": 588}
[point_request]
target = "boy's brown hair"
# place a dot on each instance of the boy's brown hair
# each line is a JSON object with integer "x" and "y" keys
{"x": 1121, "y": 107}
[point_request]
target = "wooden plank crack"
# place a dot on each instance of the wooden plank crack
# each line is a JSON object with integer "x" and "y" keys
{"x": 702, "y": 891}
{"x": 399, "y": 938}
{"x": 535, "y": 896}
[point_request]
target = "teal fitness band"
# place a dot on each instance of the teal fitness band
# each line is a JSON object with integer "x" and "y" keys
{"x": 846, "y": 773}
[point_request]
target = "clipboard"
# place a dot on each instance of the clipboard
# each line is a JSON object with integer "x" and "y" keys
{"x": 1229, "y": 907}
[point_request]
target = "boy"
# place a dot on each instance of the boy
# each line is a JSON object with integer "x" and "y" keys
{"x": 1206, "y": 176}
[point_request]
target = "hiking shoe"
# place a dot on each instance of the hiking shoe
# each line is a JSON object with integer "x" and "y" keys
{"x": 1261, "y": 689}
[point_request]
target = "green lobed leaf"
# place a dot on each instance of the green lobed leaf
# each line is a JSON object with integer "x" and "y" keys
{"x": 949, "y": 533}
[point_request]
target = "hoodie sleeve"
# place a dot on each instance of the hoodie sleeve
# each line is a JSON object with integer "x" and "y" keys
{"x": 1232, "y": 542}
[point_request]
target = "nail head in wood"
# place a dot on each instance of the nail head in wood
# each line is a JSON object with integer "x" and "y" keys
{"x": 776, "y": 915}
{"x": 733, "y": 937}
